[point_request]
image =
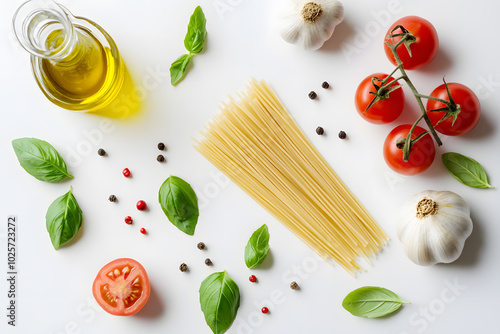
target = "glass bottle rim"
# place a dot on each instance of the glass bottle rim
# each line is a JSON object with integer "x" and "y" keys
{"x": 30, "y": 20}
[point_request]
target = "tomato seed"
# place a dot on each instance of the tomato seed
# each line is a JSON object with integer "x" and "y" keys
{"x": 265, "y": 310}
{"x": 129, "y": 220}
{"x": 126, "y": 172}
{"x": 143, "y": 230}
{"x": 141, "y": 205}
{"x": 252, "y": 279}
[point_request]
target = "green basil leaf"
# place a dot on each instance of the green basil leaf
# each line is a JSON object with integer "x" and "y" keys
{"x": 179, "y": 203}
{"x": 178, "y": 68}
{"x": 372, "y": 302}
{"x": 195, "y": 36}
{"x": 219, "y": 301}
{"x": 40, "y": 159}
{"x": 257, "y": 247}
{"x": 466, "y": 170}
{"x": 63, "y": 219}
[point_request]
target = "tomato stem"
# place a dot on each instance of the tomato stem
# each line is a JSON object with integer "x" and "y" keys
{"x": 448, "y": 103}
{"x": 408, "y": 143}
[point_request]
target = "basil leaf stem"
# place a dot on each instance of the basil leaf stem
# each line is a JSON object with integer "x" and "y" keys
{"x": 193, "y": 42}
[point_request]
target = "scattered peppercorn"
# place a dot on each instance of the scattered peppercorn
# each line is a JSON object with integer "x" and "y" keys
{"x": 208, "y": 262}
{"x": 143, "y": 230}
{"x": 342, "y": 135}
{"x": 161, "y": 146}
{"x": 129, "y": 221}
{"x": 325, "y": 85}
{"x": 294, "y": 286}
{"x": 183, "y": 267}
{"x": 160, "y": 158}
{"x": 265, "y": 310}
{"x": 126, "y": 172}
{"x": 252, "y": 279}
{"x": 112, "y": 198}
{"x": 313, "y": 95}
{"x": 320, "y": 131}
{"x": 101, "y": 152}
{"x": 141, "y": 205}
{"x": 201, "y": 246}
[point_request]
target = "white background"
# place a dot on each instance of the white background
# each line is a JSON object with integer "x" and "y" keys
{"x": 54, "y": 287}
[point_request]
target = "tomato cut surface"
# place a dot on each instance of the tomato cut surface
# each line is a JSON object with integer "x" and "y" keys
{"x": 122, "y": 287}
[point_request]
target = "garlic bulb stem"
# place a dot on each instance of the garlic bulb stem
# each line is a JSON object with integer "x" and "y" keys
{"x": 311, "y": 12}
{"x": 426, "y": 207}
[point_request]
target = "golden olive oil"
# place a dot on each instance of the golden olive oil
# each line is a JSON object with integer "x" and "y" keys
{"x": 85, "y": 76}
{"x": 76, "y": 63}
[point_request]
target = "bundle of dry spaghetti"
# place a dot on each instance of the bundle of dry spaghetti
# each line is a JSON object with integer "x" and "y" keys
{"x": 256, "y": 143}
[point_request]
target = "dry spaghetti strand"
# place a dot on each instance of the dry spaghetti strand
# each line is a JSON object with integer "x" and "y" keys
{"x": 256, "y": 143}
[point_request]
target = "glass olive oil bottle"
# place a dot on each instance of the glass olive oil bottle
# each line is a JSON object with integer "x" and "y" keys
{"x": 76, "y": 64}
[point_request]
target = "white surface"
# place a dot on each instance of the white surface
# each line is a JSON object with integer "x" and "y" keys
{"x": 54, "y": 287}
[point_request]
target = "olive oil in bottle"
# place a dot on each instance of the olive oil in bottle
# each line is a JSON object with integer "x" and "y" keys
{"x": 75, "y": 62}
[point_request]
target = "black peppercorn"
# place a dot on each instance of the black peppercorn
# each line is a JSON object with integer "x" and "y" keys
{"x": 112, "y": 198}
{"x": 161, "y": 146}
{"x": 325, "y": 85}
{"x": 160, "y": 158}
{"x": 320, "y": 131}
{"x": 201, "y": 246}
{"x": 342, "y": 135}
{"x": 208, "y": 262}
{"x": 294, "y": 286}
{"x": 183, "y": 267}
{"x": 101, "y": 152}
{"x": 313, "y": 95}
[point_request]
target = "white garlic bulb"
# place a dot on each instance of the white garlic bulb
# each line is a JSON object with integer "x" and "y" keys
{"x": 433, "y": 227}
{"x": 310, "y": 23}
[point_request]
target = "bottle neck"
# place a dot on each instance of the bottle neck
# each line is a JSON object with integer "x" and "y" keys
{"x": 45, "y": 29}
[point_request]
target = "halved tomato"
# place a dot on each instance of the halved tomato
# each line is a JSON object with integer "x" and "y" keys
{"x": 122, "y": 287}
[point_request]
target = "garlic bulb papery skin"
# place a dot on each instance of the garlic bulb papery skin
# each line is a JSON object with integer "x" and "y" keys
{"x": 433, "y": 227}
{"x": 309, "y": 23}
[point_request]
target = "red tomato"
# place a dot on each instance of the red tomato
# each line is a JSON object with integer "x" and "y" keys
{"x": 421, "y": 154}
{"x": 121, "y": 287}
{"x": 470, "y": 109}
{"x": 423, "y": 50}
{"x": 383, "y": 111}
